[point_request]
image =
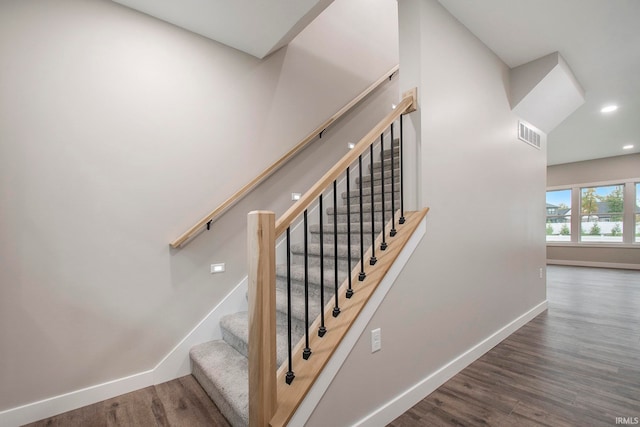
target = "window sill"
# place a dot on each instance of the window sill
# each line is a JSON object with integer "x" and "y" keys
{"x": 595, "y": 245}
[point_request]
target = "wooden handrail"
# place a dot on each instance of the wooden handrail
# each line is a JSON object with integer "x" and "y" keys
{"x": 240, "y": 194}
{"x": 408, "y": 104}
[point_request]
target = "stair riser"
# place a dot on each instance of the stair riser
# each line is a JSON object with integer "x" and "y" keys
{"x": 366, "y": 207}
{"x": 297, "y": 319}
{"x": 387, "y": 154}
{"x": 377, "y": 166}
{"x": 377, "y": 198}
{"x": 366, "y": 217}
{"x": 377, "y": 177}
{"x": 377, "y": 189}
{"x": 297, "y": 287}
{"x": 342, "y": 228}
{"x": 314, "y": 261}
{"x": 329, "y": 250}
{"x": 239, "y": 341}
{"x": 297, "y": 276}
{"x": 217, "y": 368}
{"x": 342, "y": 237}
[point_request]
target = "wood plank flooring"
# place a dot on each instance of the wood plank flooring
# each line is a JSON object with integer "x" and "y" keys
{"x": 577, "y": 364}
{"x": 178, "y": 403}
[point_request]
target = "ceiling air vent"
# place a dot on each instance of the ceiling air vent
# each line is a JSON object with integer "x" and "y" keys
{"x": 528, "y": 135}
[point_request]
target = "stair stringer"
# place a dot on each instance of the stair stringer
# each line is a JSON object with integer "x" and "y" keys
{"x": 319, "y": 387}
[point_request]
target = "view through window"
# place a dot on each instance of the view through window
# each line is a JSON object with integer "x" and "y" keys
{"x": 601, "y": 210}
{"x": 559, "y": 216}
{"x": 638, "y": 212}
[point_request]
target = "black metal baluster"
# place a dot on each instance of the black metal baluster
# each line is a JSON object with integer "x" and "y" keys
{"x": 336, "y": 308}
{"x": 349, "y": 293}
{"x": 402, "y": 219}
{"x": 383, "y": 245}
{"x": 290, "y": 376}
{"x": 362, "y": 274}
{"x": 373, "y": 259}
{"x": 307, "y": 351}
{"x": 322, "y": 330}
{"x": 393, "y": 231}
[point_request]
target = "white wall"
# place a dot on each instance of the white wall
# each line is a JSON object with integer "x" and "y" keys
{"x": 117, "y": 133}
{"x": 477, "y": 268}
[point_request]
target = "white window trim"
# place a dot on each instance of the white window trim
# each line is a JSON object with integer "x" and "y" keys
{"x": 628, "y": 214}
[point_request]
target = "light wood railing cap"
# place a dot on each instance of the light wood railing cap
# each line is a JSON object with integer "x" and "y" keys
{"x": 246, "y": 189}
{"x": 408, "y": 104}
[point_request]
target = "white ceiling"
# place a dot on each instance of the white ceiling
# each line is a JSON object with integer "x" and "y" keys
{"x": 599, "y": 39}
{"x": 257, "y": 27}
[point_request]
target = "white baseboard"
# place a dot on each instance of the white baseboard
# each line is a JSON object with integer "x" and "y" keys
{"x": 338, "y": 358}
{"x": 66, "y": 402}
{"x": 407, "y": 399}
{"x": 594, "y": 264}
{"x": 174, "y": 365}
{"x": 177, "y": 363}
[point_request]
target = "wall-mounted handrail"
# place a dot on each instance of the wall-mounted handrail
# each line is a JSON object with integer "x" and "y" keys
{"x": 241, "y": 193}
{"x": 405, "y": 106}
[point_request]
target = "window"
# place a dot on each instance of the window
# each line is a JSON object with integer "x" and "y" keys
{"x": 600, "y": 214}
{"x": 601, "y": 210}
{"x": 559, "y": 215}
{"x": 637, "y": 212}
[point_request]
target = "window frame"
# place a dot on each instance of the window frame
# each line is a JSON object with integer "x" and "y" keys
{"x": 556, "y": 214}
{"x": 636, "y": 216}
{"x": 599, "y": 216}
{"x": 629, "y": 214}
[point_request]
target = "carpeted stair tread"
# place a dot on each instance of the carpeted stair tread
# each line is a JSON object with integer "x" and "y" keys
{"x": 387, "y": 153}
{"x": 297, "y": 305}
{"x": 297, "y": 276}
{"x": 341, "y": 232}
{"x": 377, "y": 189}
{"x": 235, "y": 331}
{"x": 366, "y": 217}
{"x": 313, "y": 249}
{"x": 341, "y": 228}
{"x": 366, "y": 207}
{"x": 355, "y": 200}
{"x": 223, "y": 374}
{"x": 387, "y": 165}
{"x": 377, "y": 177}
{"x": 221, "y": 366}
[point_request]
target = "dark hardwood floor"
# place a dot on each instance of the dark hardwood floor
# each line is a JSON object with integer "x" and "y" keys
{"x": 577, "y": 364}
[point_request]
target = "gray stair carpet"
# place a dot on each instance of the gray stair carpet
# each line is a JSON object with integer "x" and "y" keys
{"x": 221, "y": 366}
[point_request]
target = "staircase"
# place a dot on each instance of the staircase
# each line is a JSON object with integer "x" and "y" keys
{"x": 221, "y": 366}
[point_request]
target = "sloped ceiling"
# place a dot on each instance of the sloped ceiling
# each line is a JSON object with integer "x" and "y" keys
{"x": 600, "y": 40}
{"x": 257, "y": 27}
{"x": 544, "y": 92}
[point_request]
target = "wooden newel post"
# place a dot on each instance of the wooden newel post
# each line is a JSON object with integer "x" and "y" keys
{"x": 262, "y": 317}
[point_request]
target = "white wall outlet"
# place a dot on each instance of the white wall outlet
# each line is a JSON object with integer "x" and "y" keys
{"x": 376, "y": 340}
{"x": 217, "y": 268}
{"x": 541, "y": 272}
{"x": 296, "y": 196}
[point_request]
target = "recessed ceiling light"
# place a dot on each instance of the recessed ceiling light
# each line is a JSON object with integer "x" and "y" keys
{"x": 627, "y": 147}
{"x": 609, "y": 109}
